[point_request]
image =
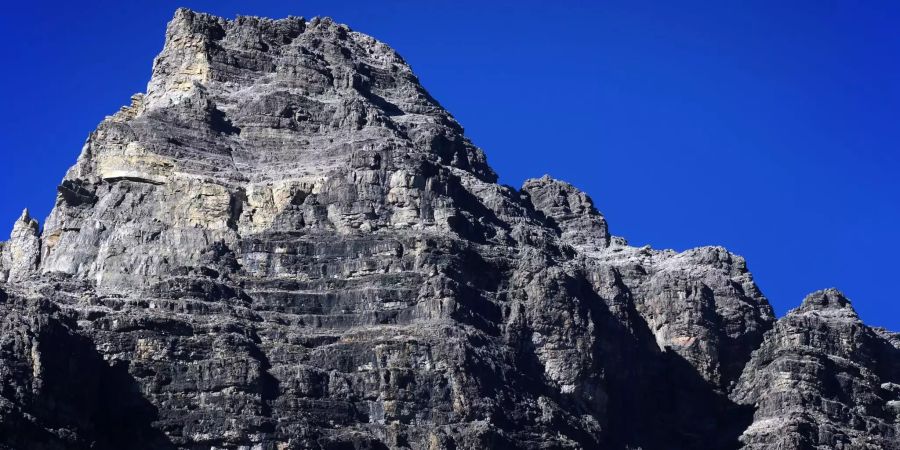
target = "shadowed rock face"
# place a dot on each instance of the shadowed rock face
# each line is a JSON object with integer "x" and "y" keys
{"x": 286, "y": 243}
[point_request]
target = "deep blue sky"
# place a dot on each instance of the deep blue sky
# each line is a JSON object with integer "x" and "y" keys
{"x": 768, "y": 127}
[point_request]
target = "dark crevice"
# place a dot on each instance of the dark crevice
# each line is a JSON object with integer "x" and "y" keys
{"x": 98, "y": 402}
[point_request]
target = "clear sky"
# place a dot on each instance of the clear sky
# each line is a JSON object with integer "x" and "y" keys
{"x": 768, "y": 127}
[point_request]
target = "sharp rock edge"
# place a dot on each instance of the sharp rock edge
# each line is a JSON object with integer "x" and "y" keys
{"x": 287, "y": 243}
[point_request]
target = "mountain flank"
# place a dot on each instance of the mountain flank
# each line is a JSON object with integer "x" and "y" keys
{"x": 287, "y": 243}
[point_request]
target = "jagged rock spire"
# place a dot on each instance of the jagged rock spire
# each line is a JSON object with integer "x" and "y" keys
{"x": 22, "y": 254}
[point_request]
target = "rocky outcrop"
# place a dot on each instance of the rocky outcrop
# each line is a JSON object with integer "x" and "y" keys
{"x": 822, "y": 379}
{"x": 287, "y": 243}
{"x": 570, "y": 211}
{"x": 20, "y": 256}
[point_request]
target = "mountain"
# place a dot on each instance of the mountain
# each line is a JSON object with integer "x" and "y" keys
{"x": 287, "y": 243}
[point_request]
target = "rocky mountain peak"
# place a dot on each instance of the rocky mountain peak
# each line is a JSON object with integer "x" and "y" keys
{"x": 26, "y": 224}
{"x": 287, "y": 243}
{"x": 826, "y": 301}
{"x": 569, "y": 210}
{"x": 19, "y": 257}
{"x": 314, "y": 87}
{"x": 817, "y": 360}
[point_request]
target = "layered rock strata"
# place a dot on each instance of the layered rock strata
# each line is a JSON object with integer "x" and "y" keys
{"x": 286, "y": 243}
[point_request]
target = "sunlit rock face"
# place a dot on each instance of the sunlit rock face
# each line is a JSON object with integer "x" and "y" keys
{"x": 286, "y": 243}
{"x": 823, "y": 379}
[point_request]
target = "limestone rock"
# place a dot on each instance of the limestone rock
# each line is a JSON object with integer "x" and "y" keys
{"x": 822, "y": 379}
{"x": 22, "y": 254}
{"x": 571, "y": 211}
{"x": 286, "y": 243}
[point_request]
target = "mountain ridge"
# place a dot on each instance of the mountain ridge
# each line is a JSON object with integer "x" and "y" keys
{"x": 286, "y": 242}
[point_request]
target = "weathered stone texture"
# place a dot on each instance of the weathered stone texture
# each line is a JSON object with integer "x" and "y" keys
{"x": 20, "y": 256}
{"x": 822, "y": 379}
{"x": 286, "y": 243}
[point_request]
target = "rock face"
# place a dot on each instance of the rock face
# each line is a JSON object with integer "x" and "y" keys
{"x": 21, "y": 255}
{"x": 822, "y": 379}
{"x": 286, "y": 243}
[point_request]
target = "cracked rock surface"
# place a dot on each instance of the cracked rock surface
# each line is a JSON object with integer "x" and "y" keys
{"x": 287, "y": 243}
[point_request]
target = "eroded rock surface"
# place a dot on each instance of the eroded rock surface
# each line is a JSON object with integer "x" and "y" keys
{"x": 20, "y": 256}
{"x": 286, "y": 243}
{"x": 822, "y": 379}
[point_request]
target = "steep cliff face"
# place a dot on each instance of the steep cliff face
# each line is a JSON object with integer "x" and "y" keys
{"x": 287, "y": 243}
{"x": 822, "y": 379}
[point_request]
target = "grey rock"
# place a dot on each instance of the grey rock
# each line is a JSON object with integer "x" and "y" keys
{"x": 286, "y": 243}
{"x": 822, "y": 379}
{"x": 20, "y": 256}
{"x": 571, "y": 211}
{"x": 58, "y": 392}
